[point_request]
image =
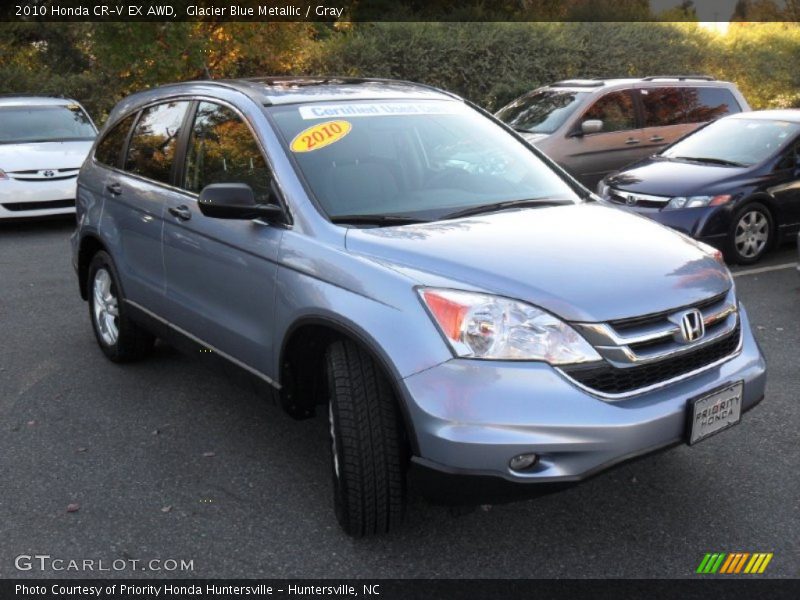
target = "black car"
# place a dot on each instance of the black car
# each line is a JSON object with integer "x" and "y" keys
{"x": 734, "y": 184}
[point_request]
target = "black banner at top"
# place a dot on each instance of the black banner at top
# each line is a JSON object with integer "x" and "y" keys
{"x": 399, "y": 10}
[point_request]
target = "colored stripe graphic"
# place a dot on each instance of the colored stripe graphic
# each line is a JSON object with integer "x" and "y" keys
{"x": 703, "y": 563}
{"x": 726, "y": 566}
{"x": 765, "y": 563}
{"x": 734, "y": 563}
{"x": 718, "y": 563}
{"x": 740, "y": 564}
{"x": 752, "y": 563}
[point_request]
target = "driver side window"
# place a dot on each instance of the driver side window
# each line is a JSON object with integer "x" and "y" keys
{"x": 615, "y": 110}
{"x": 222, "y": 149}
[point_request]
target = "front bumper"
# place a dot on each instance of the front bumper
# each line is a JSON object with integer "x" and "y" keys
{"x": 471, "y": 417}
{"x": 709, "y": 224}
{"x": 39, "y": 198}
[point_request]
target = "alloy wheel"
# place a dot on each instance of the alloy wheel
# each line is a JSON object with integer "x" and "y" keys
{"x": 751, "y": 234}
{"x": 106, "y": 308}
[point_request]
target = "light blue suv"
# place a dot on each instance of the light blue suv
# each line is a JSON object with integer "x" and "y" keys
{"x": 464, "y": 313}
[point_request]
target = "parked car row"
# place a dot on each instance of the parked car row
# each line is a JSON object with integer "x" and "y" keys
{"x": 684, "y": 151}
{"x": 735, "y": 185}
{"x": 463, "y": 312}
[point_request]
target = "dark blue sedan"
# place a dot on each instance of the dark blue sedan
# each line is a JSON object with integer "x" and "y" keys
{"x": 734, "y": 184}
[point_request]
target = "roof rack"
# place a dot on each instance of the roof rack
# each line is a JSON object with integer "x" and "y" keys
{"x": 679, "y": 77}
{"x": 255, "y": 83}
{"x": 30, "y": 95}
{"x": 579, "y": 83}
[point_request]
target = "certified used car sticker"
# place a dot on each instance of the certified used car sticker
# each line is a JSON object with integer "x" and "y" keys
{"x": 371, "y": 109}
{"x": 320, "y": 135}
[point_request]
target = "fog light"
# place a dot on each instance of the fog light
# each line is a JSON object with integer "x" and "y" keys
{"x": 523, "y": 461}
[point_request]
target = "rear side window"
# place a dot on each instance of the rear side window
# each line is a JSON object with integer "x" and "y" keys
{"x": 110, "y": 147}
{"x": 662, "y": 106}
{"x": 615, "y": 110}
{"x": 154, "y": 141}
{"x": 222, "y": 149}
{"x": 708, "y": 103}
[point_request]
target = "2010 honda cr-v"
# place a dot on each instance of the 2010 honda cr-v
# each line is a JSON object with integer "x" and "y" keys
{"x": 459, "y": 307}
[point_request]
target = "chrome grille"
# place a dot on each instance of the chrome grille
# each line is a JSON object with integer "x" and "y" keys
{"x": 616, "y": 383}
{"x": 633, "y": 199}
{"x": 44, "y": 174}
{"x": 657, "y": 340}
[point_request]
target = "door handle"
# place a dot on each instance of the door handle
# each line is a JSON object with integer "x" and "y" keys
{"x": 115, "y": 189}
{"x": 631, "y": 141}
{"x": 656, "y": 138}
{"x": 182, "y": 212}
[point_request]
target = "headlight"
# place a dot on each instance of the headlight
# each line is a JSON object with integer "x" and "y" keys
{"x": 696, "y": 201}
{"x": 490, "y": 327}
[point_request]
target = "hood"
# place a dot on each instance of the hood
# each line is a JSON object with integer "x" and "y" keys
{"x": 661, "y": 177}
{"x": 46, "y": 155}
{"x": 583, "y": 262}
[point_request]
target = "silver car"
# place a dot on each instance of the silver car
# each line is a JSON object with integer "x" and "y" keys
{"x": 463, "y": 313}
{"x": 592, "y": 127}
{"x": 43, "y": 143}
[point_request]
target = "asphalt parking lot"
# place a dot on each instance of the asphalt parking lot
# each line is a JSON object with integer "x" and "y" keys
{"x": 172, "y": 459}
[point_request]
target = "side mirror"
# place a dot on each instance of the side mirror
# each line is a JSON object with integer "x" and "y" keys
{"x": 235, "y": 201}
{"x": 591, "y": 126}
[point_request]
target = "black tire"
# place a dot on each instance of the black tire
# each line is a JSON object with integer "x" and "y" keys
{"x": 755, "y": 242}
{"x": 369, "y": 454}
{"x": 132, "y": 342}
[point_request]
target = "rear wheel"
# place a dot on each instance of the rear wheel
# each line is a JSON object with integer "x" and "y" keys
{"x": 751, "y": 233}
{"x": 368, "y": 447}
{"x": 120, "y": 338}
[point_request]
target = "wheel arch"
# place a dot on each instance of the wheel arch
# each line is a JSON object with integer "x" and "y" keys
{"x": 90, "y": 245}
{"x": 305, "y": 341}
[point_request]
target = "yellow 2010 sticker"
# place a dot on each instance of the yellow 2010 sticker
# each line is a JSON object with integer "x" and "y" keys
{"x": 320, "y": 135}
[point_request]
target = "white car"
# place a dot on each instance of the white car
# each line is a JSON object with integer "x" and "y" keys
{"x": 43, "y": 143}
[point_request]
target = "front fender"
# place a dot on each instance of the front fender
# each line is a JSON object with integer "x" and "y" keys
{"x": 400, "y": 334}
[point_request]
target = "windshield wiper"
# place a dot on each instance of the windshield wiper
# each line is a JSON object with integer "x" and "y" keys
{"x": 375, "y": 219}
{"x": 495, "y": 206}
{"x": 713, "y": 161}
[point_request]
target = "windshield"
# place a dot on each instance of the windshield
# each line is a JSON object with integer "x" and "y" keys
{"x": 541, "y": 111}
{"x": 421, "y": 159}
{"x": 21, "y": 124}
{"x": 735, "y": 142}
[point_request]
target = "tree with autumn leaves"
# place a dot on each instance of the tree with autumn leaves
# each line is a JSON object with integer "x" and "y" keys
{"x": 487, "y": 62}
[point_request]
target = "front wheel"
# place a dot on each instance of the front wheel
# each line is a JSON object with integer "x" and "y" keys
{"x": 120, "y": 338}
{"x": 368, "y": 447}
{"x": 751, "y": 234}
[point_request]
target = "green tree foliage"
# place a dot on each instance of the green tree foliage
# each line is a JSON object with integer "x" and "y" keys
{"x": 491, "y": 63}
{"x": 100, "y": 63}
{"x": 487, "y": 62}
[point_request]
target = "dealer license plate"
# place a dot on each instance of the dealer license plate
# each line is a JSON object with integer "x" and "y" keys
{"x": 714, "y": 412}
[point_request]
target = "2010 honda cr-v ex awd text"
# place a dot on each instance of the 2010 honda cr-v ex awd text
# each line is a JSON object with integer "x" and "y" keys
{"x": 460, "y": 309}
